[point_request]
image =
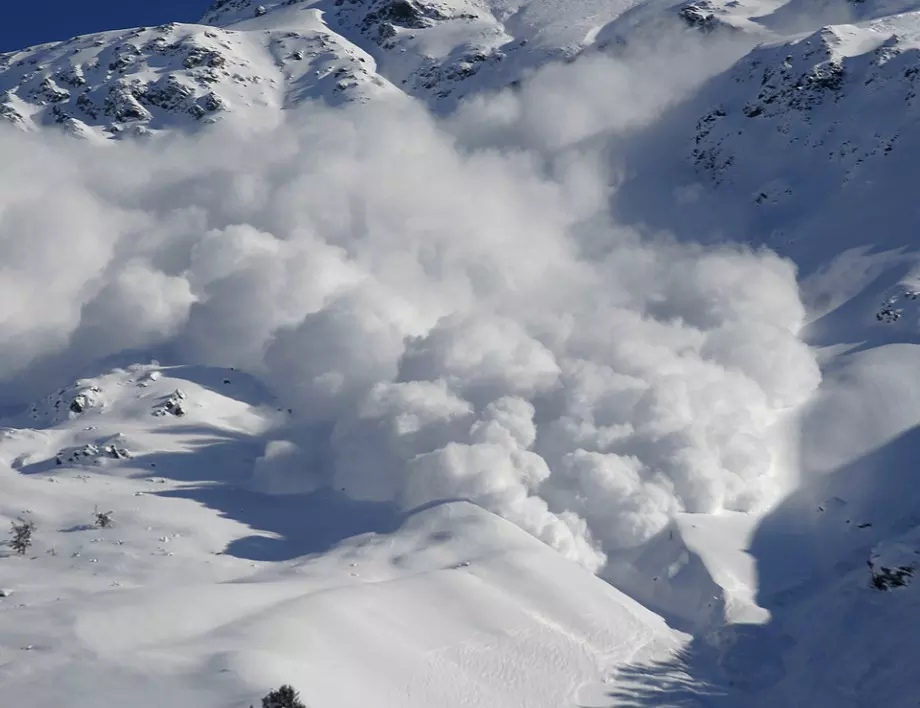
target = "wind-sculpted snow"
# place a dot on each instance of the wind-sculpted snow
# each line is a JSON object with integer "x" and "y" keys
{"x": 444, "y": 322}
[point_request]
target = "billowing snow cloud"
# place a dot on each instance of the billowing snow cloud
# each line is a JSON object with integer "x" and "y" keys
{"x": 447, "y": 317}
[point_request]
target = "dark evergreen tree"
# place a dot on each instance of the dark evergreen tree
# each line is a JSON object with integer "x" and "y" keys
{"x": 104, "y": 519}
{"x": 21, "y": 534}
{"x": 284, "y": 697}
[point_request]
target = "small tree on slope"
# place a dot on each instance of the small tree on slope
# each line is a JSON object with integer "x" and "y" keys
{"x": 21, "y": 536}
{"x": 103, "y": 518}
{"x": 284, "y": 697}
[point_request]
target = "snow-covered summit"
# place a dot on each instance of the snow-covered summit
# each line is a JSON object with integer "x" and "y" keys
{"x": 442, "y": 50}
{"x": 249, "y": 60}
{"x": 180, "y": 76}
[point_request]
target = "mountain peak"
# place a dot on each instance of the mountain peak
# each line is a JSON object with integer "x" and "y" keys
{"x": 226, "y": 12}
{"x": 141, "y": 81}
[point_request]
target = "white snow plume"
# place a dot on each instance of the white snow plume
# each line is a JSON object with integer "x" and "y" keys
{"x": 434, "y": 308}
{"x": 606, "y": 93}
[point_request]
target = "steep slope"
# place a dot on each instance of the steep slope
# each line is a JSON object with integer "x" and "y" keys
{"x": 818, "y": 95}
{"x": 216, "y": 594}
{"x": 247, "y": 61}
{"x": 176, "y": 76}
{"x": 441, "y": 51}
{"x": 831, "y": 119}
{"x": 804, "y": 145}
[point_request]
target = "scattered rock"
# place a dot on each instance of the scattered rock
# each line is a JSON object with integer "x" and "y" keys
{"x": 889, "y": 312}
{"x": 888, "y": 315}
{"x": 91, "y": 453}
{"x": 174, "y": 405}
{"x": 67, "y": 403}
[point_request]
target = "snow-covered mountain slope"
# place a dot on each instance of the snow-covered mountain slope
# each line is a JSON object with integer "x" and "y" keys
{"x": 180, "y": 76}
{"x": 835, "y": 100}
{"x": 442, "y": 50}
{"x": 814, "y": 137}
{"x": 805, "y": 145}
{"x": 248, "y": 61}
{"x": 214, "y": 594}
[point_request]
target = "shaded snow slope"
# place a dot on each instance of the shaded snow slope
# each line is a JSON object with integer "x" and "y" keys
{"x": 805, "y": 145}
{"x": 841, "y": 98}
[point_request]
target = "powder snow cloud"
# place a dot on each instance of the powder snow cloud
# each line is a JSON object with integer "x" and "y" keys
{"x": 449, "y": 310}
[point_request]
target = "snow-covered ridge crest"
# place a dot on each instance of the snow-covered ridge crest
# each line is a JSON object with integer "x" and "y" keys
{"x": 179, "y": 76}
{"x": 432, "y": 49}
{"x": 846, "y": 93}
{"x": 442, "y": 51}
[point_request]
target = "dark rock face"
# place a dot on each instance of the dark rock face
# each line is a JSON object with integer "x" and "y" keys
{"x": 402, "y": 13}
{"x": 802, "y": 96}
{"x": 885, "y": 579}
{"x": 699, "y": 15}
{"x": 385, "y": 18}
{"x": 129, "y": 78}
{"x": 894, "y": 562}
{"x": 704, "y": 17}
{"x": 221, "y": 9}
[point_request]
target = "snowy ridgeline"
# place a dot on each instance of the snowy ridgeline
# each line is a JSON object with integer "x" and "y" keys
{"x": 142, "y": 81}
{"x": 250, "y": 60}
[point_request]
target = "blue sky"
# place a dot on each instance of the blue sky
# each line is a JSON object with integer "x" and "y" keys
{"x": 29, "y": 22}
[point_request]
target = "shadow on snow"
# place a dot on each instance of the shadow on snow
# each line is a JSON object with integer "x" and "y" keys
{"x": 811, "y": 560}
